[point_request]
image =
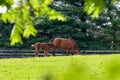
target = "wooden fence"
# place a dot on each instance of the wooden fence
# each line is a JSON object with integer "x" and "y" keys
{"x": 30, "y": 53}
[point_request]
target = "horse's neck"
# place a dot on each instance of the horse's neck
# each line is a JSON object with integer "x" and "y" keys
{"x": 51, "y": 40}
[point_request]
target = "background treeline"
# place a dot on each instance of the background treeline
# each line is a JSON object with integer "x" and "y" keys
{"x": 91, "y": 34}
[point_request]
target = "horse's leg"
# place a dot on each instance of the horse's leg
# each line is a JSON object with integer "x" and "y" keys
{"x": 36, "y": 53}
{"x": 46, "y": 53}
{"x": 54, "y": 51}
{"x": 77, "y": 52}
{"x": 72, "y": 51}
{"x": 67, "y": 52}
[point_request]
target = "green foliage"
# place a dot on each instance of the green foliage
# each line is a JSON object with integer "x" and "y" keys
{"x": 30, "y": 30}
{"x": 95, "y": 7}
{"x": 89, "y": 67}
{"x": 15, "y": 34}
{"x": 34, "y": 17}
{"x": 109, "y": 23}
{"x": 7, "y": 3}
{"x": 23, "y": 18}
{"x": 5, "y": 30}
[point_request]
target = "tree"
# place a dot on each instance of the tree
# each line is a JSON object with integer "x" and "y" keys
{"x": 27, "y": 10}
{"x": 4, "y": 34}
{"x": 75, "y": 26}
{"x": 106, "y": 29}
{"x": 23, "y": 16}
{"x": 113, "y": 28}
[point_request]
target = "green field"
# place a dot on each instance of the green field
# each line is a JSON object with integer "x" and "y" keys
{"x": 83, "y": 67}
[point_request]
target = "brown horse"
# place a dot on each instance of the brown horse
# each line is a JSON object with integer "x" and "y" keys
{"x": 42, "y": 46}
{"x": 68, "y": 44}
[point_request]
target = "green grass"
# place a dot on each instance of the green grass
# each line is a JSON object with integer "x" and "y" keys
{"x": 86, "y": 67}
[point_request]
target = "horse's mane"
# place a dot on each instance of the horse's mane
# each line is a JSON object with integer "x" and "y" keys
{"x": 51, "y": 40}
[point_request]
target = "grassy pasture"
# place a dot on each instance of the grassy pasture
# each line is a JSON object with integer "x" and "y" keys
{"x": 86, "y": 67}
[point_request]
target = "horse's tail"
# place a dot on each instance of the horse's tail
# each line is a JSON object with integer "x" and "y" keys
{"x": 51, "y": 40}
{"x": 78, "y": 49}
{"x": 32, "y": 45}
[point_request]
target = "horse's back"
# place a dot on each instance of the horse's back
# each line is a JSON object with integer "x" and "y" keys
{"x": 64, "y": 43}
{"x": 70, "y": 43}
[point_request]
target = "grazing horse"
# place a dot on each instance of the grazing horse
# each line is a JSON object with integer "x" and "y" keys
{"x": 68, "y": 44}
{"x": 42, "y": 46}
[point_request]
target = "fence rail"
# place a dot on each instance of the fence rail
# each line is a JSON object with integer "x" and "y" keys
{"x": 30, "y": 53}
